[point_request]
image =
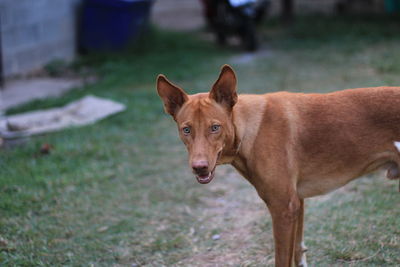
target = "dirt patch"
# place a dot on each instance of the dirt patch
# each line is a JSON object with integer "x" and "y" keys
{"x": 245, "y": 223}
{"x": 235, "y": 209}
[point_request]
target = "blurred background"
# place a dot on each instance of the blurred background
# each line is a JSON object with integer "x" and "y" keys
{"x": 117, "y": 191}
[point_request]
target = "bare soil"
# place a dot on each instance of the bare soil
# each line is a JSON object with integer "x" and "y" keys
{"x": 180, "y": 15}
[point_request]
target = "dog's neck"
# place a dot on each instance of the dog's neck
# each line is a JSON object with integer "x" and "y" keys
{"x": 247, "y": 115}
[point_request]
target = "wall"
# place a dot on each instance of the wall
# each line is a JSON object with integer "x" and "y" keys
{"x": 34, "y": 32}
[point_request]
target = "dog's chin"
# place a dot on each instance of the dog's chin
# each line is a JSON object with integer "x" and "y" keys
{"x": 206, "y": 178}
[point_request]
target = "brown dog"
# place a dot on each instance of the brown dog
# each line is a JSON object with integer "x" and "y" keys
{"x": 290, "y": 146}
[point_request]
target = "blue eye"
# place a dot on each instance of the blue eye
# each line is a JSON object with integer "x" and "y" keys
{"x": 215, "y": 128}
{"x": 186, "y": 130}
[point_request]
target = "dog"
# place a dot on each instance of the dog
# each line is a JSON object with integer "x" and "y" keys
{"x": 289, "y": 146}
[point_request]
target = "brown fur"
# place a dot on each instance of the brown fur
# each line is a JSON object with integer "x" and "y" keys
{"x": 290, "y": 146}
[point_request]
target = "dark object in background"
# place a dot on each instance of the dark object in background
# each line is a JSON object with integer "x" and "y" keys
{"x": 112, "y": 24}
{"x": 236, "y": 17}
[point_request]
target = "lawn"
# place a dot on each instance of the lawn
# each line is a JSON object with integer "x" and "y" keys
{"x": 120, "y": 193}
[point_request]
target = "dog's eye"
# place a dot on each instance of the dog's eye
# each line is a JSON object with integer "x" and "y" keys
{"x": 186, "y": 130}
{"x": 215, "y": 128}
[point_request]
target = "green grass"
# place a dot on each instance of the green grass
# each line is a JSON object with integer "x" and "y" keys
{"x": 119, "y": 192}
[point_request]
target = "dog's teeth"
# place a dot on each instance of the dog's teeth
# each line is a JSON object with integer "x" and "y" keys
{"x": 205, "y": 177}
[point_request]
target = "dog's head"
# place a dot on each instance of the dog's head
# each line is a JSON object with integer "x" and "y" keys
{"x": 204, "y": 121}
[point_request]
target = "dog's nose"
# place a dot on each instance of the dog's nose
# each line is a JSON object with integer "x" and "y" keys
{"x": 200, "y": 166}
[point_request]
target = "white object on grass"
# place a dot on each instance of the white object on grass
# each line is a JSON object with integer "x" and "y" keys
{"x": 86, "y": 110}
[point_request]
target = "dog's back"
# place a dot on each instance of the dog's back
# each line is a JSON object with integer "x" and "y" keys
{"x": 340, "y": 136}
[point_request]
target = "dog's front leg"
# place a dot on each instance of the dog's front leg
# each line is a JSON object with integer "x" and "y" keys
{"x": 285, "y": 212}
{"x": 299, "y": 248}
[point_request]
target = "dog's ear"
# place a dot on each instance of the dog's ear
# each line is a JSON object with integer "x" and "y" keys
{"x": 224, "y": 89}
{"x": 172, "y": 96}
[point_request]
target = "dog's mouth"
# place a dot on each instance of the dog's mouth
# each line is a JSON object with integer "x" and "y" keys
{"x": 205, "y": 179}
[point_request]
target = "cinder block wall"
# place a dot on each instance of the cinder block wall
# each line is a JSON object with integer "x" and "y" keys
{"x": 34, "y": 32}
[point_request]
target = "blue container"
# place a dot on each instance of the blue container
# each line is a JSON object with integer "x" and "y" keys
{"x": 112, "y": 24}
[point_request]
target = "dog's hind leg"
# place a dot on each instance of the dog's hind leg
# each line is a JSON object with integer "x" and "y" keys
{"x": 300, "y": 249}
{"x": 393, "y": 171}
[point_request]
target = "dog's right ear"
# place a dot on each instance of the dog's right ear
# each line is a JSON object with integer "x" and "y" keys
{"x": 172, "y": 96}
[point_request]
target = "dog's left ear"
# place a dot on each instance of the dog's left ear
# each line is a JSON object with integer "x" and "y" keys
{"x": 224, "y": 89}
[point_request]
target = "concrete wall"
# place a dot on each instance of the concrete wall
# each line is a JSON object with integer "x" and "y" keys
{"x": 34, "y": 32}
